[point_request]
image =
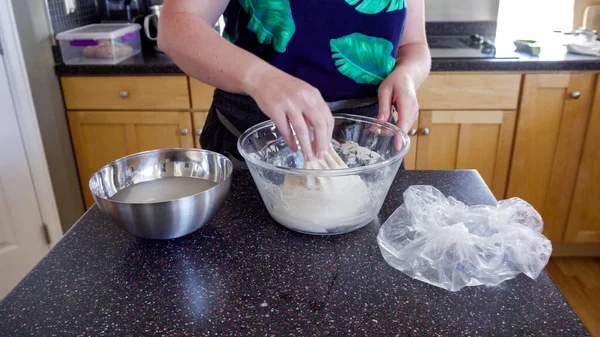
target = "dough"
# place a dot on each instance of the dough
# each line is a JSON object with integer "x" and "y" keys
{"x": 322, "y": 204}
{"x": 107, "y": 49}
{"x": 89, "y": 52}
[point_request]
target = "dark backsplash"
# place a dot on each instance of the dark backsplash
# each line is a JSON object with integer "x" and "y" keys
{"x": 85, "y": 14}
{"x": 484, "y": 28}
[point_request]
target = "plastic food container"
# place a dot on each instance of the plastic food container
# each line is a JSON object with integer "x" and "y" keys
{"x": 100, "y": 43}
{"x": 326, "y": 201}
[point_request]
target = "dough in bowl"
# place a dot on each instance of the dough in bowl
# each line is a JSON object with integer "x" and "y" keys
{"x": 321, "y": 204}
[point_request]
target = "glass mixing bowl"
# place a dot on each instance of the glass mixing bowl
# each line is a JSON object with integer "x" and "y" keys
{"x": 326, "y": 201}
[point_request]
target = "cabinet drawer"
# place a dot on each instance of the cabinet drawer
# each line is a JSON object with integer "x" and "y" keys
{"x": 472, "y": 91}
{"x": 202, "y": 95}
{"x": 126, "y": 92}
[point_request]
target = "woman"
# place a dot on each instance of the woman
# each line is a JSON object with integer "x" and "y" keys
{"x": 297, "y": 61}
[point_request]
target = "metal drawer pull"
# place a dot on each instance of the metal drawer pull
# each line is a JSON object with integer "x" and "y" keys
{"x": 425, "y": 131}
{"x": 198, "y": 132}
{"x": 575, "y": 95}
{"x": 123, "y": 93}
{"x": 412, "y": 132}
{"x": 184, "y": 132}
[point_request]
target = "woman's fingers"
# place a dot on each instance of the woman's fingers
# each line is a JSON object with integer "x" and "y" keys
{"x": 283, "y": 125}
{"x": 319, "y": 125}
{"x": 301, "y": 129}
{"x": 385, "y": 94}
{"x": 285, "y": 98}
{"x": 393, "y": 92}
{"x": 408, "y": 111}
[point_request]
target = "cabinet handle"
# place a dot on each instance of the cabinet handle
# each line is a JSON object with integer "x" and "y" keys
{"x": 198, "y": 132}
{"x": 123, "y": 93}
{"x": 425, "y": 131}
{"x": 184, "y": 132}
{"x": 575, "y": 95}
{"x": 412, "y": 132}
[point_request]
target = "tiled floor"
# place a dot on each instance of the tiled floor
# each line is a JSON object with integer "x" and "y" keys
{"x": 579, "y": 281}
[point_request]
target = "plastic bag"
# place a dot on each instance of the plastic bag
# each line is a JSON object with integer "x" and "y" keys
{"x": 445, "y": 243}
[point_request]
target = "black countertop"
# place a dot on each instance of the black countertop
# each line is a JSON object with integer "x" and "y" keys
{"x": 554, "y": 60}
{"x": 245, "y": 275}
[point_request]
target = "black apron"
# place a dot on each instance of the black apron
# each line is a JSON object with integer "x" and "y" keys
{"x": 230, "y": 115}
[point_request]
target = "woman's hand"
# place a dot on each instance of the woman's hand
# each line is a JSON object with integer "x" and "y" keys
{"x": 288, "y": 100}
{"x": 413, "y": 63}
{"x": 398, "y": 90}
{"x": 187, "y": 35}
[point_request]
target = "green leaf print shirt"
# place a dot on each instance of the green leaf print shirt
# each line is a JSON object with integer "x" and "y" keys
{"x": 345, "y": 48}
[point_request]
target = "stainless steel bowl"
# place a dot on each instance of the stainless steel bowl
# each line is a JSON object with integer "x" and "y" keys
{"x": 163, "y": 219}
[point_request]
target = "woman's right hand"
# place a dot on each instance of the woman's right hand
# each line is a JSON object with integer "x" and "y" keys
{"x": 288, "y": 100}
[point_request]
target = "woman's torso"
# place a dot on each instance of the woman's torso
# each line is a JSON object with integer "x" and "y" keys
{"x": 344, "y": 48}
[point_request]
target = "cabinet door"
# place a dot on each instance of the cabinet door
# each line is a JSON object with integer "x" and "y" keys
{"x": 553, "y": 114}
{"x": 410, "y": 160}
{"x": 199, "y": 119}
{"x": 478, "y": 140}
{"x": 584, "y": 218}
{"x": 202, "y": 94}
{"x": 100, "y": 137}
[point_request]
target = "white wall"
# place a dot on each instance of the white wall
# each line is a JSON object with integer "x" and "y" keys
{"x": 35, "y": 36}
{"x": 461, "y": 10}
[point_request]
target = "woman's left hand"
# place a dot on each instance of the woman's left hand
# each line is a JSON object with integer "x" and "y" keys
{"x": 398, "y": 90}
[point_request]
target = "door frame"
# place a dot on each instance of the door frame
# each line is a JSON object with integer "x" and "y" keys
{"x": 28, "y": 124}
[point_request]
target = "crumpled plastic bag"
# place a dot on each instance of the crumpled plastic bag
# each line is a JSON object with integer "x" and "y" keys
{"x": 448, "y": 244}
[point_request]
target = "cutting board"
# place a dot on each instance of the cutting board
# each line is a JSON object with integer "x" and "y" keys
{"x": 591, "y": 17}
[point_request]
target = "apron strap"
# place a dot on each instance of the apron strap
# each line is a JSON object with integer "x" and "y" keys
{"x": 237, "y": 164}
{"x": 227, "y": 124}
{"x": 351, "y": 103}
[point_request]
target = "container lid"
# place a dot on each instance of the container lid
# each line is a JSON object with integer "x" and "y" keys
{"x": 99, "y": 31}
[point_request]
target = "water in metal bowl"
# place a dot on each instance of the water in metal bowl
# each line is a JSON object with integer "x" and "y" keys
{"x": 163, "y": 194}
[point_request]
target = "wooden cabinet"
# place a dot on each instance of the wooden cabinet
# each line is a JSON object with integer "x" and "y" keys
{"x": 549, "y": 138}
{"x": 410, "y": 160}
{"x": 202, "y": 95}
{"x": 199, "y": 118}
{"x": 467, "y": 121}
{"x": 449, "y": 91}
{"x": 126, "y": 92}
{"x": 533, "y": 136}
{"x": 584, "y": 217}
{"x": 468, "y": 139}
{"x": 100, "y": 137}
{"x": 114, "y": 116}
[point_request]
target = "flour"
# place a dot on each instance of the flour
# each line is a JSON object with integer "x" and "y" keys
{"x": 357, "y": 155}
{"x": 318, "y": 204}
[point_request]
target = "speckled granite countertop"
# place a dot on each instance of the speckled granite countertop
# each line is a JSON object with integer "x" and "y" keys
{"x": 159, "y": 64}
{"x": 245, "y": 275}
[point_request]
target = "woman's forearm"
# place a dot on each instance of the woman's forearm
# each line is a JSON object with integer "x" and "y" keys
{"x": 202, "y": 53}
{"x": 414, "y": 60}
